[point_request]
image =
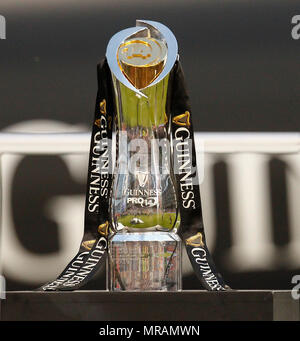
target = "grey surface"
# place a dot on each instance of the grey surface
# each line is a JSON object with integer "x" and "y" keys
{"x": 251, "y": 305}
{"x": 285, "y": 308}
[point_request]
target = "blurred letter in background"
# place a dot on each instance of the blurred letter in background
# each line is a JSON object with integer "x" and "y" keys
{"x": 2, "y": 27}
{"x": 296, "y": 28}
{"x": 2, "y": 288}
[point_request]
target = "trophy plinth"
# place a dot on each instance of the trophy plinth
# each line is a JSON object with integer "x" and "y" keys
{"x": 144, "y": 261}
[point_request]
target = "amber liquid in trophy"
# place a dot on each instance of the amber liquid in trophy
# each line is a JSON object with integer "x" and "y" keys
{"x": 142, "y": 76}
{"x": 142, "y": 60}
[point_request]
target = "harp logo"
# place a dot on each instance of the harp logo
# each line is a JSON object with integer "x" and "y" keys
{"x": 103, "y": 107}
{"x": 88, "y": 244}
{"x": 183, "y": 119}
{"x": 142, "y": 178}
{"x": 97, "y": 123}
{"x": 103, "y": 229}
{"x": 296, "y": 29}
{"x": 195, "y": 240}
{"x": 2, "y": 27}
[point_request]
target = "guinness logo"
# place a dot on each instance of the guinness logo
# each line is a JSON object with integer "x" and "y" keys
{"x": 142, "y": 178}
{"x": 195, "y": 240}
{"x": 88, "y": 244}
{"x": 182, "y": 119}
{"x": 103, "y": 229}
{"x": 102, "y": 106}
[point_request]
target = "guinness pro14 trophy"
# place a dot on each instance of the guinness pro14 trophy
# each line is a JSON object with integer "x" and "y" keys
{"x": 139, "y": 214}
{"x": 145, "y": 252}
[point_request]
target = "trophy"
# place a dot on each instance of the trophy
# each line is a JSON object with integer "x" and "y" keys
{"x": 140, "y": 212}
{"x": 145, "y": 252}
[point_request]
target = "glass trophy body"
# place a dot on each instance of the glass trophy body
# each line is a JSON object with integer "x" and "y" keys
{"x": 145, "y": 251}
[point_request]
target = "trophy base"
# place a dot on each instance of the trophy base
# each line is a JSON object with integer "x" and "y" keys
{"x": 144, "y": 261}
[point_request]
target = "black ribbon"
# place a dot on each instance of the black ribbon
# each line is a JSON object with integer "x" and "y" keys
{"x": 191, "y": 227}
{"x": 93, "y": 248}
